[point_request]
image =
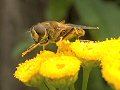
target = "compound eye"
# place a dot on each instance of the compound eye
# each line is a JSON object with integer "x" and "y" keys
{"x": 40, "y": 29}
{"x": 38, "y": 32}
{"x": 34, "y": 35}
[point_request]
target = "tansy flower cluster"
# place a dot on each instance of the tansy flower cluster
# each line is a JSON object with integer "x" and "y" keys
{"x": 84, "y": 50}
{"x": 50, "y": 66}
{"x": 61, "y": 68}
{"x": 107, "y": 52}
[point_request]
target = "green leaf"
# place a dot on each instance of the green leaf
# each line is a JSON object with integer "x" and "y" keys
{"x": 57, "y": 9}
{"x": 21, "y": 47}
{"x": 105, "y": 15}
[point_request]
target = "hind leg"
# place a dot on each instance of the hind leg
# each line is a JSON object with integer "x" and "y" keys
{"x": 79, "y": 32}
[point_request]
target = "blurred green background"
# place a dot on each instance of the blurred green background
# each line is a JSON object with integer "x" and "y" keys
{"x": 17, "y": 16}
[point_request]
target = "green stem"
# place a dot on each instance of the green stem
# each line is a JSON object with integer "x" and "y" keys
{"x": 43, "y": 87}
{"x": 86, "y": 73}
{"x": 66, "y": 88}
{"x": 72, "y": 87}
{"x": 50, "y": 87}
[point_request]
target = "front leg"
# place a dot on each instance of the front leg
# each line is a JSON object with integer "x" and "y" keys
{"x": 32, "y": 47}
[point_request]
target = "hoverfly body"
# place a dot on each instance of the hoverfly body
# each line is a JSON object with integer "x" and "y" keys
{"x": 53, "y": 31}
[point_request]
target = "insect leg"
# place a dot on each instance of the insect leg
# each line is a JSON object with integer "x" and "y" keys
{"x": 43, "y": 47}
{"x": 78, "y": 36}
{"x": 79, "y": 32}
{"x": 32, "y": 47}
{"x": 61, "y": 38}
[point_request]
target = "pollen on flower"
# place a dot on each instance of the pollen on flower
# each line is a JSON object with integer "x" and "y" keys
{"x": 64, "y": 48}
{"x": 47, "y": 54}
{"x": 30, "y": 68}
{"x": 27, "y": 70}
{"x": 111, "y": 69}
{"x": 111, "y": 62}
{"x": 111, "y": 46}
{"x": 87, "y": 50}
{"x": 60, "y": 67}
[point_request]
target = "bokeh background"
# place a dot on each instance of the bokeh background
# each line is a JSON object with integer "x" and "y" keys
{"x": 17, "y": 16}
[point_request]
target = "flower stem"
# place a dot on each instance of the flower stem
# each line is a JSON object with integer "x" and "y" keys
{"x": 50, "y": 87}
{"x": 86, "y": 72}
{"x": 66, "y": 88}
{"x": 72, "y": 87}
{"x": 43, "y": 87}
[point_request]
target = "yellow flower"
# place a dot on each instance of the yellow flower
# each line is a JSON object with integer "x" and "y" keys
{"x": 111, "y": 69}
{"x": 64, "y": 48}
{"x": 60, "y": 71}
{"x": 111, "y": 62}
{"x": 83, "y": 50}
{"x": 46, "y": 66}
{"x": 28, "y": 72}
{"x": 111, "y": 46}
{"x": 87, "y": 50}
{"x": 46, "y": 54}
{"x": 60, "y": 67}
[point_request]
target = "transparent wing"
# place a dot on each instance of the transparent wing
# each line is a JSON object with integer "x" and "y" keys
{"x": 83, "y": 27}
